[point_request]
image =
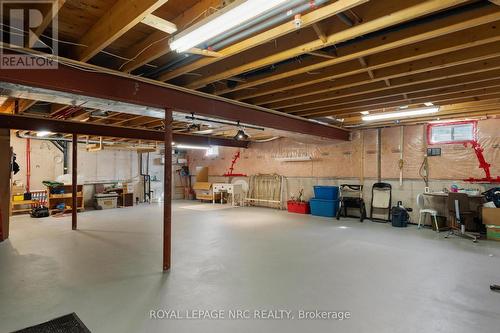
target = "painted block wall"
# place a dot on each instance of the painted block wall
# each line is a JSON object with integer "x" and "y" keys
{"x": 106, "y": 166}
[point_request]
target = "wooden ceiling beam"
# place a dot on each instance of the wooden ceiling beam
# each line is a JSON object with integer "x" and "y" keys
{"x": 438, "y": 99}
{"x": 320, "y": 32}
{"x": 123, "y": 16}
{"x": 413, "y": 87}
{"x": 387, "y": 20}
{"x": 446, "y": 112}
{"x": 157, "y": 45}
{"x": 159, "y": 23}
{"x": 400, "y": 76}
{"x": 417, "y": 93}
{"x": 322, "y": 54}
{"x": 48, "y": 17}
{"x": 293, "y": 75}
{"x": 460, "y": 54}
{"x": 471, "y": 72}
{"x": 266, "y": 36}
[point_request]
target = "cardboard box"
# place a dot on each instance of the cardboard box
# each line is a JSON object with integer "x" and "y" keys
{"x": 491, "y": 216}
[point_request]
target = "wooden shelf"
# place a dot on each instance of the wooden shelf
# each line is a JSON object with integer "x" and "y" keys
{"x": 54, "y": 199}
{"x": 15, "y": 203}
{"x": 65, "y": 195}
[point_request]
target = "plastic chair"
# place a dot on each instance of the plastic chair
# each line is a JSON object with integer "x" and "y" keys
{"x": 381, "y": 199}
{"x": 423, "y": 211}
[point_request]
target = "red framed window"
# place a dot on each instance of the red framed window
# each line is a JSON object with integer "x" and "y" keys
{"x": 458, "y": 132}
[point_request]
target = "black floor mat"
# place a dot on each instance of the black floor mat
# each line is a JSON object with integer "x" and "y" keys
{"x": 66, "y": 324}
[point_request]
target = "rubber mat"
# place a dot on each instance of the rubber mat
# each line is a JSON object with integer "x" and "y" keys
{"x": 66, "y": 324}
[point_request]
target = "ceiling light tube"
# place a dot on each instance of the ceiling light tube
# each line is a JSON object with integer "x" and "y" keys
{"x": 43, "y": 133}
{"x": 401, "y": 114}
{"x": 223, "y": 21}
{"x": 192, "y": 147}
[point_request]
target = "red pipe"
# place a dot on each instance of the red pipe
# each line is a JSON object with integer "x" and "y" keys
{"x": 28, "y": 164}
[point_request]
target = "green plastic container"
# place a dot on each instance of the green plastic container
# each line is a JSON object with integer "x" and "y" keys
{"x": 493, "y": 232}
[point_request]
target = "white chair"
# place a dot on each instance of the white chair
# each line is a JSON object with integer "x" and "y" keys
{"x": 423, "y": 211}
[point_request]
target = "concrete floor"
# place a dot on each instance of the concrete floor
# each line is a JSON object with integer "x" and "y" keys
{"x": 108, "y": 272}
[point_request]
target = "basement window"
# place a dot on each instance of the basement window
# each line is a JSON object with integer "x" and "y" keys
{"x": 452, "y": 133}
{"x": 213, "y": 151}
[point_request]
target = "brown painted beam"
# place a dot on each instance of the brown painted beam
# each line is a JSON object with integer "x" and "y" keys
{"x": 74, "y": 127}
{"x": 5, "y": 174}
{"x": 74, "y": 182}
{"x": 119, "y": 87}
{"x": 167, "y": 193}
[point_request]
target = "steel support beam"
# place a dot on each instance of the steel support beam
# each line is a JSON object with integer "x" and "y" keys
{"x": 103, "y": 83}
{"x": 74, "y": 127}
{"x": 5, "y": 177}
{"x": 167, "y": 192}
{"x": 74, "y": 183}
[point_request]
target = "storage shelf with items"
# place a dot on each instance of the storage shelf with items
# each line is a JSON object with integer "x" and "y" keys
{"x": 23, "y": 202}
{"x": 59, "y": 195}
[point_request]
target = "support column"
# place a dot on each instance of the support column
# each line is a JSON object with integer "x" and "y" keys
{"x": 167, "y": 192}
{"x": 5, "y": 176}
{"x": 74, "y": 183}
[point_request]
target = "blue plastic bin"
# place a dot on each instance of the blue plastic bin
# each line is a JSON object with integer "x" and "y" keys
{"x": 320, "y": 207}
{"x": 326, "y": 192}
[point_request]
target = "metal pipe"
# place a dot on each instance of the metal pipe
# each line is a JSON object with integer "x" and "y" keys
{"x": 33, "y": 137}
{"x": 236, "y": 124}
{"x": 267, "y": 24}
{"x": 276, "y": 11}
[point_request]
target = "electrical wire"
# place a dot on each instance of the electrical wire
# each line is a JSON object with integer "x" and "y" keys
{"x": 25, "y": 34}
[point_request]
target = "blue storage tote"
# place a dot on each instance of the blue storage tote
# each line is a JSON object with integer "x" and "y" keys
{"x": 320, "y": 207}
{"x": 326, "y": 192}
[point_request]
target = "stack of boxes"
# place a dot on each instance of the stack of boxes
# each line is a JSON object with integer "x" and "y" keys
{"x": 18, "y": 190}
{"x": 325, "y": 201}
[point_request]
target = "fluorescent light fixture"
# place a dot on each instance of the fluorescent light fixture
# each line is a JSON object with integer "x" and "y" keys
{"x": 429, "y": 104}
{"x": 43, "y": 133}
{"x": 192, "y": 147}
{"x": 401, "y": 114}
{"x": 225, "y": 20}
{"x": 365, "y": 113}
{"x": 403, "y": 107}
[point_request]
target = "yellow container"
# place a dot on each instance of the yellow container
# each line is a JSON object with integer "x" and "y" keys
{"x": 18, "y": 198}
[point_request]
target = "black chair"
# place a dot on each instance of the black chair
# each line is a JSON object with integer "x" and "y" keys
{"x": 381, "y": 199}
{"x": 351, "y": 196}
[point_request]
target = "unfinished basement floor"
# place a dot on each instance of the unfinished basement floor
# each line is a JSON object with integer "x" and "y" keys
{"x": 109, "y": 272}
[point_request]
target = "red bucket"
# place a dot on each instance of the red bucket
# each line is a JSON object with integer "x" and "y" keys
{"x": 300, "y": 207}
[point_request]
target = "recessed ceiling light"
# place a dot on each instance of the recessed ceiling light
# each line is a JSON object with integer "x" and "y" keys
{"x": 364, "y": 113}
{"x": 403, "y": 107}
{"x": 429, "y": 104}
